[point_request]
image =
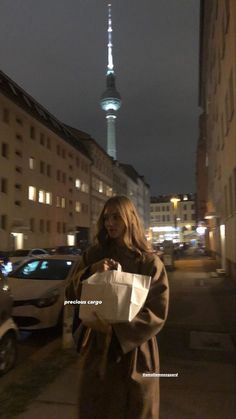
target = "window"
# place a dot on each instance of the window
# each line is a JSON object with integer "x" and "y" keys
{"x": 5, "y": 116}
{"x": 18, "y": 169}
{"x": 42, "y": 139}
{"x": 58, "y": 175}
{"x": 163, "y": 218}
{"x": 226, "y": 200}
{"x": 32, "y": 224}
{"x": 41, "y": 196}
{"x": 5, "y": 150}
{"x": 18, "y": 186}
{"x": 64, "y": 228}
{"x": 77, "y": 206}
{"x": 18, "y": 153}
{"x": 32, "y": 163}
{"x": 64, "y": 177}
{"x": 63, "y": 202}
{"x": 19, "y": 137}
{"x": 58, "y": 227}
{"x": 77, "y": 183}
{"x": 42, "y": 167}
{"x": 3, "y": 222}
{"x": 185, "y": 217}
{"x": 18, "y": 203}
{"x": 100, "y": 187}
{"x": 58, "y": 150}
{"x": 84, "y": 187}
{"x": 48, "y": 199}
{"x": 231, "y": 209}
{"x": 48, "y": 170}
{"x": 58, "y": 201}
{"x": 19, "y": 120}
{"x": 32, "y": 193}
{"x": 48, "y": 143}
{"x": 231, "y": 95}
{"x": 48, "y": 226}
{"x": 32, "y": 132}
{"x": 193, "y": 217}
{"x": 4, "y": 185}
{"x": 41, "y": 226}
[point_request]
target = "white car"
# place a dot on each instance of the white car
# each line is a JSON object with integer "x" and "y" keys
{"x": 8, "y": 329}
{"x": 38, "y": 286}
{"x": 17, "y": 256}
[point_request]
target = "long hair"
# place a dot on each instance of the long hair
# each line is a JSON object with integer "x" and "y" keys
{"x": 134, "y": 236}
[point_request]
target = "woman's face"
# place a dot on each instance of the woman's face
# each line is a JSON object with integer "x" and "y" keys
{"x": 114, "y": 224}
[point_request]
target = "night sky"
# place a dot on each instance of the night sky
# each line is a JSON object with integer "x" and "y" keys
{"x": 56, "y": 51}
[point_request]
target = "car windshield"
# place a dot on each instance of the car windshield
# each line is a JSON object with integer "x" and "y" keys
{"x": 51, "y": 269}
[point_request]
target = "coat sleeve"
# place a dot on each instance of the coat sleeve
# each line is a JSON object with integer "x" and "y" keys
{"x": 151, "y": 318}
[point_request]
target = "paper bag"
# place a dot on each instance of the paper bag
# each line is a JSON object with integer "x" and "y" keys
{"x": 115, "y": 296}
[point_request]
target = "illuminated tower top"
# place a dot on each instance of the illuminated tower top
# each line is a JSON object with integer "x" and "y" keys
{"x": 110, "y": 100}
{"x": 110, "y": 65}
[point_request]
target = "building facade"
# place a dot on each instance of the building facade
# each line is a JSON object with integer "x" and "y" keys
{"x": 173, "y": 218}
{"x": 44, "y": 172}
{"x": 217, "y": 89}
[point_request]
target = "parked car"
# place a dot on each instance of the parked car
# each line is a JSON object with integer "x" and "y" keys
{"x": 17, "y": 256}
{"x": 8, "y": 329}
{"x": 67, "y": 250}
{"x": 37, "y": 287}
{"x": 5, "y": 263}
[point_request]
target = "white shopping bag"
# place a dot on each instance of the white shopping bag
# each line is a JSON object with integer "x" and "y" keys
{"x": 115, "y": 296}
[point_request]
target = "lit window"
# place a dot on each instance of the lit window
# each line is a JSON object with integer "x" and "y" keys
{"x": 41, "y": 196}
{"x": 58, "y": 201}
{"x": 32, "y": 193}
{"x": 48, "y": 198}
{"x": 77, "y": 183}
{"x": 100, "y": 188}
{"x": 77, "y": 206}
{"x": 31, "y": 163}
{"x": 63, "y": 202}
{"x": 84, "y": 187}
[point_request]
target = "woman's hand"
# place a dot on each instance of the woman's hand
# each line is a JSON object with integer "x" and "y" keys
{"x": 99, "y": 324}
{"x": 104, "y": 265}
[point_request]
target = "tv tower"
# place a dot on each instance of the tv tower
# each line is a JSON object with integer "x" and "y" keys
{"x": 110, "y": 99}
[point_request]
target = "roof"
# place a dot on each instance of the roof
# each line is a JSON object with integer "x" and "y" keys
{"x": 22, "y": 99}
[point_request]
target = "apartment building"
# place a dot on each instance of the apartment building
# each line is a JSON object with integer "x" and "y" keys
{"x": 44, "y": 175}
{"x": 101, "y": 176}
{"x": 138, "y": 191}
{"x": 173, "y": 218}
{"x": 217, "y": 93}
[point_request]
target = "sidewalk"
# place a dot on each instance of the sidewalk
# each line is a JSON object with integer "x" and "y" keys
{"x": 205, "y": 363}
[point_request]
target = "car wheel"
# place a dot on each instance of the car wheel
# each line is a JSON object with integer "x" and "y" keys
{"x": 8, "y": 352}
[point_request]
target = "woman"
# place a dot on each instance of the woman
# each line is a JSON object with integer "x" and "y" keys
{"x": 113, "y": 358}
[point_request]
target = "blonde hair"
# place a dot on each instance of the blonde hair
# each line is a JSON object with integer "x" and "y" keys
{"x": 134, "y": 236}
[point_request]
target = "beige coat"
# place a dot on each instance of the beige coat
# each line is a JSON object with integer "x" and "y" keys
{"x": 123, "y": 392}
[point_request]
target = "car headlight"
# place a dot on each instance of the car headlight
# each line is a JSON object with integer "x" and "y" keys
{"x": 48, "y": 299}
